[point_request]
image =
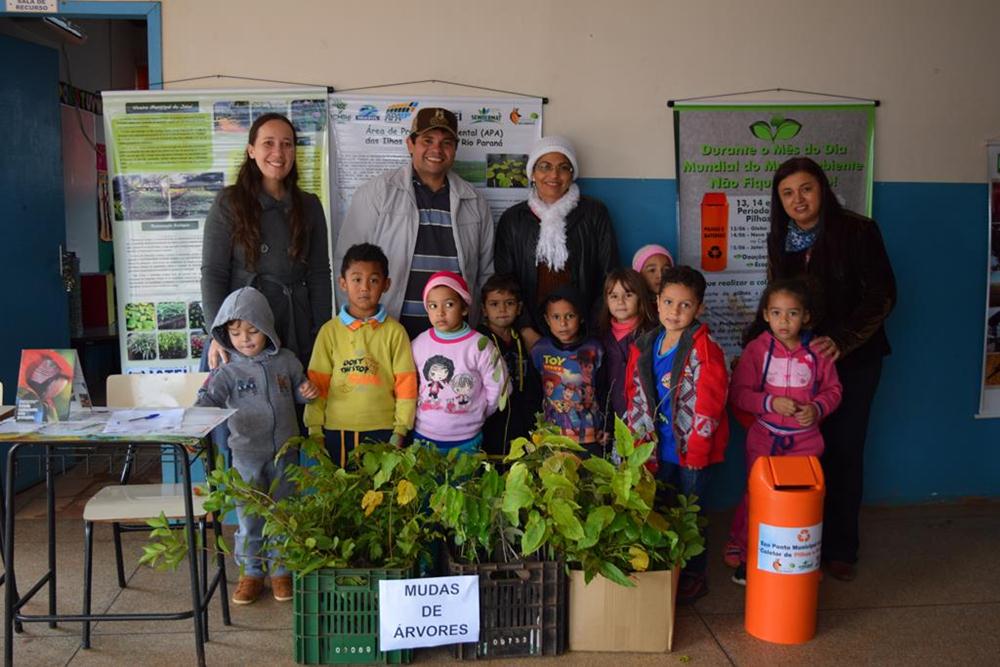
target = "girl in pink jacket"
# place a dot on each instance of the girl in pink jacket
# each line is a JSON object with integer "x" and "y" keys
{"x": 787, "y": 388}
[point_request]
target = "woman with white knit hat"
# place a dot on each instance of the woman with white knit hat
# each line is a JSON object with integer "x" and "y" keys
{"x": 556, "y": 238}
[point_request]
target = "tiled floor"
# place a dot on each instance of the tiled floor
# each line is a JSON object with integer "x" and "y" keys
{"x": 928, "y": 592}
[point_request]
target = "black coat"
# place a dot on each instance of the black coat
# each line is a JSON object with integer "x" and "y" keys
{"x": 590, "y": 239}
{"x": 851, "y": 280}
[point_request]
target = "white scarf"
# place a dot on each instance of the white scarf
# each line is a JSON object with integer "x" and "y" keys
{"x": 552, "y": 233}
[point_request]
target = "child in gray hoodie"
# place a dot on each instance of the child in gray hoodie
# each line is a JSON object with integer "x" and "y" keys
{"x": 263, "y": 382}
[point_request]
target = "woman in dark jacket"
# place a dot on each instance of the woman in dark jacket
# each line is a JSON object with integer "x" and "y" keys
{"x": 843, "y": 259}
{"x": 265, "y": 232}
{"x": 556, "y": 238}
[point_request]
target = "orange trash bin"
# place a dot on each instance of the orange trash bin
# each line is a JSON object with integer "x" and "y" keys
{"x": 783, "y": 550}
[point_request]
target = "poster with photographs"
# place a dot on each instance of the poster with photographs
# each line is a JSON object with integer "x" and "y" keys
{"x": 495, "y": 137}
{"x": 989, "y": 402}
{"x": 170, "y": 153}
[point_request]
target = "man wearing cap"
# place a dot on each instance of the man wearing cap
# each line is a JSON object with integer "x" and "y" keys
{"x": 425, "y": 218}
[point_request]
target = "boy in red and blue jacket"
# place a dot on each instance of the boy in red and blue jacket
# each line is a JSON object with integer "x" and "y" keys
{"x": 677, "y": 398}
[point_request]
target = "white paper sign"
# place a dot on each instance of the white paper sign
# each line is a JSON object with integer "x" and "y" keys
{"x": 783, "y": 550}
{"x": 428, "y": 612}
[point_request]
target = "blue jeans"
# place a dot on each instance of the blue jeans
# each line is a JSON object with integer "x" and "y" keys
{"x": 471, "y": 446}
{"x": 686, "y": 481}
{"x": 260, "y": 468}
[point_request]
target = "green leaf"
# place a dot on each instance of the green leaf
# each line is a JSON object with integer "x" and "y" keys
{"x": 787, "y": 129}
{"x": 621, "y": 485}
{"x": 565, "y": 518}
{"x": 517, "y": 493}
{"x": 517, "y": 446}
{"x": 641, "y": 454}
{"x": 534, "y": 534}
{"x": 761, "y": 130}
{"x": 614, "y": 573}
{"x": 556, "y": 482}
{"x": 624, "y": 440}
{"x": 600, "y": 467}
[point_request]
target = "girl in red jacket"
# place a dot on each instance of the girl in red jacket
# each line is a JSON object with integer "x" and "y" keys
{"x": 788, "y": 389}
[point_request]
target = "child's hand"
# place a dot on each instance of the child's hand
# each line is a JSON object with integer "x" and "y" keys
{"x": 396, "y": 440}
{"x": 806, "y": 414}
{"x": 308, "y": 390}
{"x": 784, "y": 406}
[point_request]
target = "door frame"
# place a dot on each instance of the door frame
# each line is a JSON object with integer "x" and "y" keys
{"x": 150, "y": 12}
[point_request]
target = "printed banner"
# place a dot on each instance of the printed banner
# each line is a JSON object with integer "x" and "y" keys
{"x": 428, "y": 612}
{"x": 496, "y": 135}
{"x": 989, "y": 398}
{"x": 170, "y": 153}
{"x": 726, "y": 157}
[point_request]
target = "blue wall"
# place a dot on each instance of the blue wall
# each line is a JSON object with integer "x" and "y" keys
{"x": 924, "y": 443}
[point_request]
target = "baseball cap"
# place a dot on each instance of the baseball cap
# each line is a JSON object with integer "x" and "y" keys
{"x": 431, "y": 118}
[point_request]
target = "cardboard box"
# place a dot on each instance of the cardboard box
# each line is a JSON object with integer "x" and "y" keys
{"x": 604, "y": 616}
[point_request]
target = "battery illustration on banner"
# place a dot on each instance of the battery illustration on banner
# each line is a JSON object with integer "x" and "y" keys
{"x": 714, "y": 231}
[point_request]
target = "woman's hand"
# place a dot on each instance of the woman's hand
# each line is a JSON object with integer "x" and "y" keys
{"x": 217, "y": 355}
{"x": 806, "y": 414}
{"x": 824, "y": 345}
{"x": 784, "y": 406}
{"x": 308, "y": 390}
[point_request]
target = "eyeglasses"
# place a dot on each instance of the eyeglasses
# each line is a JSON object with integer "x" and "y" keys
{"x": 545, "y": 167}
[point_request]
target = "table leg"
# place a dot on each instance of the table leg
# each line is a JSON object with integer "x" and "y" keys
{"x": 199, "y": 637}
{"x": 50, "y": 509}
{"x": 9, "y": 597}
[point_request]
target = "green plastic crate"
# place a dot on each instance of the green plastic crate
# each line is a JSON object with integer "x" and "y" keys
{"x": 336, "y": 617}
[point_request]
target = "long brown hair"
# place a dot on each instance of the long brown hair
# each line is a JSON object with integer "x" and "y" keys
{"x": 243, "y": 197}
{"x": 830, "y": 212}
{"x": 633, "y": 282}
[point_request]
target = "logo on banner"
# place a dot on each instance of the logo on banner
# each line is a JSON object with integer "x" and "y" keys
{"x": 396, "y": 113}
{"x": 337, "y": 109}
{"x": 518, "y": 118}
{"x": 367, "y": 112}
{"x": 779, "y": 129}
{"x": 486, "y": 115}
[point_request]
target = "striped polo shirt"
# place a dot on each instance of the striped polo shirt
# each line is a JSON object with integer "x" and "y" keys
{"x": 435, "y": 251}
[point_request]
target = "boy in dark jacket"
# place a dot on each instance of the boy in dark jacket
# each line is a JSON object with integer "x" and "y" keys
{"x": 263, "y": 381}
{"x": 501, "y": 301}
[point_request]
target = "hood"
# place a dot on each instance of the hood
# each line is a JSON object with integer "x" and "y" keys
{"x": 575, "y": 297}
{"x": 246, "y": 304}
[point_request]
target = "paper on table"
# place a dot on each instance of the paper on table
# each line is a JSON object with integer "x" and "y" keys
{"x": 143, "y": 421}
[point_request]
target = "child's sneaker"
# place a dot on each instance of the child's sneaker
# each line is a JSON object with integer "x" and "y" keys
{"x": 248, "y": 590}
{"x": 732, "y": 555}
{"x": 740, "y": 575}
{"x": 281, "y": 588}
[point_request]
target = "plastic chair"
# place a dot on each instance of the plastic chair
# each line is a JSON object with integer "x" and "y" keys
{"x": 127, "y": 506}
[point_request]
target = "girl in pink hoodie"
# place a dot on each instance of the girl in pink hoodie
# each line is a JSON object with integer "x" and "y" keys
{"x": 787, "y": 388}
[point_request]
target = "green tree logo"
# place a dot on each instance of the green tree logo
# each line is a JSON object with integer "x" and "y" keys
{"x": 778, "y": 128}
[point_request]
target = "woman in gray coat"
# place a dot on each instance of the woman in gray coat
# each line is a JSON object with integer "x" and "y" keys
{"x": 265, "y": 232}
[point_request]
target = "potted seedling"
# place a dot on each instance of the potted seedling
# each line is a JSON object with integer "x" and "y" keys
{"x": 339, "y": 533}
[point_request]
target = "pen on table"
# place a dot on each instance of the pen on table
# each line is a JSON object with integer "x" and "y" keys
{"x": 139, "y": 419}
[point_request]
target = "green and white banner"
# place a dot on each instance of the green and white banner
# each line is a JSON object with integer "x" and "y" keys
{"x": 726, "y": 157}
{"x": 495, "y": 137}
{"x": 170, "y": 152}
{"x": 989, "y": 398}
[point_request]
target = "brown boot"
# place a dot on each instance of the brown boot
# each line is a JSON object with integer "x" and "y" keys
{"x": 248, "y": 590}
{"x": 281, "y": 588}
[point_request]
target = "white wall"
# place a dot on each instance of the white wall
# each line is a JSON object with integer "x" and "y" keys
{"x": 608, "y": 68}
